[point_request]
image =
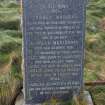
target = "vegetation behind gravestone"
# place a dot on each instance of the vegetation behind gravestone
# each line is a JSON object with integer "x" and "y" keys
{"x": 10, "y": 50}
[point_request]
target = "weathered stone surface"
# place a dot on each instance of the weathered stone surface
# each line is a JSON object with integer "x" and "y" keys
{"x": 88, "y": 98}
{"x": 20, "y": 99}
{"x": 83, "y": 99}
{"x": 53, "y": 32}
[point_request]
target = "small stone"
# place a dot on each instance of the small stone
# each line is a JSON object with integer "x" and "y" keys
{"x": 20, "y": 99}
{"x": 88, "y": 98}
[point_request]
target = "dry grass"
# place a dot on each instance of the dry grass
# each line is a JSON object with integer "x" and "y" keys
{"x": 9, "y": 90}
{"x": 98, "y": 94}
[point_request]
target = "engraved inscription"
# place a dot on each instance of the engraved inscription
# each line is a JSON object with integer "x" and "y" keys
{"x": 53, "y": 48}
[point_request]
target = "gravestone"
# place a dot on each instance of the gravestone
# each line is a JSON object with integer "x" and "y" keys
{"x": 53, "y": 32}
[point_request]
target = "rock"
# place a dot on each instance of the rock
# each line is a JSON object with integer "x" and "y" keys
{"x": 83, "y": 99}
{"x": 88, "y": 98}
{"x": 20, "y": 99}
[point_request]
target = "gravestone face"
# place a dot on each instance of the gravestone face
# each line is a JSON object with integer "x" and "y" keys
{"x": 53, "y": 49}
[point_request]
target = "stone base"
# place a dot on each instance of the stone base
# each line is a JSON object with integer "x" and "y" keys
{"x": 83, "y": 99}
{"x": 20, "y": 99}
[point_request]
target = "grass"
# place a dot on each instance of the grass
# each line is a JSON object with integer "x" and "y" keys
{"x": 4, "y": 58}
{"x": 11, "y": 41}
{"x": 9, "y": 18}
{"x": 10, "y": 52}
{"x": 9, "y": 90}
{"x": 98, "y": 94}
{"x": 95, "y": 41}
{"x": 8, "y": 43}
{"x": 58, "y": 102}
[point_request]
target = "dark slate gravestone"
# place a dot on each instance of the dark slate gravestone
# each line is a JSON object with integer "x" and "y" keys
{"x": 53, "y": 48}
